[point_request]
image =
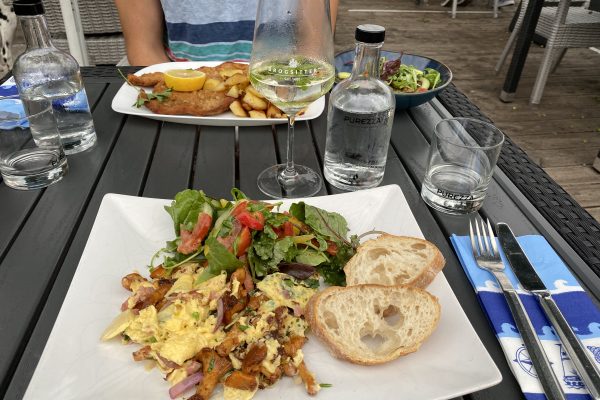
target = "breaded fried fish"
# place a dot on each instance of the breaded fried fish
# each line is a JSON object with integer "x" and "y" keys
{"x": 146, "y": 80}
{"x": 199, "y": 103}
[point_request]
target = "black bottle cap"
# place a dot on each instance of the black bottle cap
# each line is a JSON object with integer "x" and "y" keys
{"x": 369, "y": 33}
{"x": 28, "y": 7}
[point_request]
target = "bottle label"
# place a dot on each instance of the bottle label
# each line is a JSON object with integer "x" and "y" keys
{"x": 366, "y": 121}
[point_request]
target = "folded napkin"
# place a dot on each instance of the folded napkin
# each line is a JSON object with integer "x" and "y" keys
{"x": 12, "y": 113}
{"x": 575, "y": 304}
{"x": 9, "y": 88}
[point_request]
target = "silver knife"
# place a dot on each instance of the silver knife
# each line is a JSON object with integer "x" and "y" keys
{"x": 581, "y": 358}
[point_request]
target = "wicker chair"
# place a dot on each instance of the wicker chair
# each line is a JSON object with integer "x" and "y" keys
{"x": 101, "y": 27}
{"x": 563, "y": 27}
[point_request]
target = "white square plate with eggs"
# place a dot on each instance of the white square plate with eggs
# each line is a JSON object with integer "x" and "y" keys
{"x": 128, "y": 230}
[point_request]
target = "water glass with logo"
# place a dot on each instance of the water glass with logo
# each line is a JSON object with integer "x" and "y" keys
{"x": 462, "y": 157}
{"x": 29, "y": 160}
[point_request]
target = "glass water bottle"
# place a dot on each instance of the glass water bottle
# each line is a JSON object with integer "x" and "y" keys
{"x": 359, "y": 122}
{"x": 46, "y": 75}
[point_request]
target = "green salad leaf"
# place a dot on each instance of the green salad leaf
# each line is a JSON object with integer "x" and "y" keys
{"x": 219, "y": 260}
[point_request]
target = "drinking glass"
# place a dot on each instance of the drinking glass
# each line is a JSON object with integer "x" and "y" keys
{"x": 29, "y": 158}
{"x": 462, "y": 157}
{"x": 292, "y": 66}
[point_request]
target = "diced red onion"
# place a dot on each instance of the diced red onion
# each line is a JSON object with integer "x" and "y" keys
{"x": 220, "y": 312}
{"x": 298, "y": 311}
{"x": 286, "y": 294}
{"x": 168, "y": 363}
{"x": 185, "y": 385}
{"x": 248, "y": 282}
{"x": 192, "y": 367}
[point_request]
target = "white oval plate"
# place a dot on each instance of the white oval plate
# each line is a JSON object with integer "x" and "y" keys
{"x": 127, "y": 95}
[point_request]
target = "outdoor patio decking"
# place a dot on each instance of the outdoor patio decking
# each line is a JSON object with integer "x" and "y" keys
{"x": 562, "y": 134}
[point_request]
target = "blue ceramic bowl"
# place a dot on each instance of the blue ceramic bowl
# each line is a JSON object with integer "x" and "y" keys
{"x": 344, "y": 61}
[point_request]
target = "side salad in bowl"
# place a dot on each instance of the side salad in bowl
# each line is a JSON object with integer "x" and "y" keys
{"x": 414, "y": 79}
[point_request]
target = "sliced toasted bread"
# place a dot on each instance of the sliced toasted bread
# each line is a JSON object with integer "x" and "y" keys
{"x": 372, "y": 324}
{"x": 395, "y": 260}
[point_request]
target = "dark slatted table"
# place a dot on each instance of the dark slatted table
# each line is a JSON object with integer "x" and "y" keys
{"x": 43, "y": 233}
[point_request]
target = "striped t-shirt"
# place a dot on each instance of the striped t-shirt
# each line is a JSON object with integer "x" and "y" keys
{"x": 200, "y": 30}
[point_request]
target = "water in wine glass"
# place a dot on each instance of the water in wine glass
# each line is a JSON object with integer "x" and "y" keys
{"x": 292, "y": 83}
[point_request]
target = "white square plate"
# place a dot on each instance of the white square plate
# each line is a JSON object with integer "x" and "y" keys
{"x": 127, "y": 95}
{"x": 128, "y": 230}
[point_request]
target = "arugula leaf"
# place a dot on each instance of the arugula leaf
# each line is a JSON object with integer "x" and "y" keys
{"x": 237, "y": 194}
{"x": 219, "y": 260}
{"x": 311, "y": 257}
{"x": 186, "y": 206}
{"x": 333, "y": 271}
{"x": 284, "y": 249}
{"x": 297, "y": 210}
{"x": 160, "y": 96}
{"x": 276, "y": 219}
{"x": 311, "y": 283}
{"x": 269, "y": 232}
{"x": 329, "y": 224}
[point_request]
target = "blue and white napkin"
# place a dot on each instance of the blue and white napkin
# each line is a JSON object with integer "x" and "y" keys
{"x": 8, "y": 88}
{"x": 12, "y": 113}
{"x": 575, "y": 304}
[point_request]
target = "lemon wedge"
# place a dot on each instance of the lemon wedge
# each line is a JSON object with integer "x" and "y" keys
{"x": 184, "y": 80}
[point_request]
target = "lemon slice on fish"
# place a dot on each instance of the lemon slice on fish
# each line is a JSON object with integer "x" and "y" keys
{"x": 185, "y": 80}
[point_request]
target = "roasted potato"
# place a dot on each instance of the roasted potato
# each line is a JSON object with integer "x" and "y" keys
{"x": 237, "y": 109}
{"x": 257, "y": 114}
{"x": 250, "y": 89}
{"x": 237, "y": 79}
{"x": 255, "y": 102}
{"x": 274, "y": 112}
{"x": 215, "y": 85}
{"x": 226, "y": 73}
{"x": 234, "y": 92}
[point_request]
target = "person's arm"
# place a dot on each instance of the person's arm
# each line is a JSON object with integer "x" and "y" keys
{"x": 333, "y": 6}
{"x": 142, "y": 23}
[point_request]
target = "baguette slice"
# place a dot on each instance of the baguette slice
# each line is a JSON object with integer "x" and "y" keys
{"x": 372, "y": 324}
{"x": 395, "y": 260}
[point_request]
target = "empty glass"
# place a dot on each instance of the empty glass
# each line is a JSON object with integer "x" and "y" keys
{"x": 462, "y": 157}
{"x": 29, "y": 161}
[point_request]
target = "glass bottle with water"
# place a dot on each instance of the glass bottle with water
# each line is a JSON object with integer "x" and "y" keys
{"x": 45, "y": 75}
{"x": 359, "y": 123}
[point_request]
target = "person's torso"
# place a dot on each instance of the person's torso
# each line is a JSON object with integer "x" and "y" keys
{"x": 200, "y": 30}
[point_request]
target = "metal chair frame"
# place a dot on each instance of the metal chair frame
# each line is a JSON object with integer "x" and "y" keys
{"x": 564, "y": 27}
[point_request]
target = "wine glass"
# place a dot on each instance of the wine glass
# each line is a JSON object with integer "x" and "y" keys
{"x": 292, "y": 66}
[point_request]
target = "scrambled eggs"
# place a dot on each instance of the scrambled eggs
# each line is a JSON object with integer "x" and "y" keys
{"x": 248, "y": 337}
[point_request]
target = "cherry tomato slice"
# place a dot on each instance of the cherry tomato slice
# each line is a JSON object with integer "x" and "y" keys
{"x": 254, "y": 221}
{"x": 190, "y": 241}
{"x": 242, "y": 242}
{"x": 332, "y": 248}
{"x": 288, "y": 229}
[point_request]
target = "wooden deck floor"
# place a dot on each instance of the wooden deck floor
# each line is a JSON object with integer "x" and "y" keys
{"x": 562, "y": 134}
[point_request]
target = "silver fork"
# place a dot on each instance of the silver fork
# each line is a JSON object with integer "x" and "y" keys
{"x": 485, "y": 251}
